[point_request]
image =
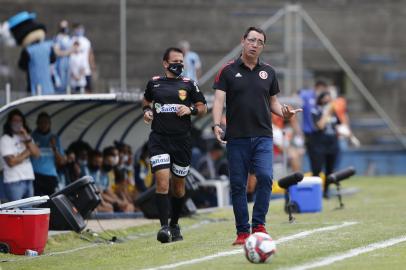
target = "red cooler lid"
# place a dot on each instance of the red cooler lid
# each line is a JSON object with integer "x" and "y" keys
{"x": 24, "y": 202}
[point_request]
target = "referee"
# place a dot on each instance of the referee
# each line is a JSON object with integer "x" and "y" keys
{"x": 169, "y": 101}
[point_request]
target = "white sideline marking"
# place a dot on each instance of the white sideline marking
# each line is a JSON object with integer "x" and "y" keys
{"x": 351, "y": 253}
{"x": 236, "y": 251}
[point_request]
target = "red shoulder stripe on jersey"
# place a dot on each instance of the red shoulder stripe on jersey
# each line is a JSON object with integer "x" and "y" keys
{"x": 185, "y": 79}
{"x": 156, "y": 78}
{"x": 266, "y": 64}
{"x": 221, "y": 70}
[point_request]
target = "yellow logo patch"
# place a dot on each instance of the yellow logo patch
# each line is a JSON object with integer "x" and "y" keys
{"x": 182, "y": 94}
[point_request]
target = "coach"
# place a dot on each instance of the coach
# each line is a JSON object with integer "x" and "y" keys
{"x": 249, "y": 87}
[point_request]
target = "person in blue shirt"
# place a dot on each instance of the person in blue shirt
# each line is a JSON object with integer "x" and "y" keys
{"x": 101, "y": 180}
{"x": 191, "y": 60}
{"x": 63, "y": 44}
{"x": 38, "y": 53}
{"x": 325, "y": 138}
{"x": 45, "y": 167}
{"x": 309, "y": 98}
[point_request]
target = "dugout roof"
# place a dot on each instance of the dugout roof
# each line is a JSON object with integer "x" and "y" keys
{"x": 98, "y": 119}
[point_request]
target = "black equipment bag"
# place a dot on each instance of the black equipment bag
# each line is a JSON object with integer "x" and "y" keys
{"x": 83, "y": 195}
{"x": 64, "y": 215}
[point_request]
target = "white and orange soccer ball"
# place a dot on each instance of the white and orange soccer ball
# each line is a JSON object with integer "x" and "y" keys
{"x": 259, "y": 248}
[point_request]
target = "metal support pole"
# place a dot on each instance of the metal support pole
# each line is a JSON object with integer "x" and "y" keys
{"x": 298, "y": 50}
{"x": 284, "y": 152}
{"x": 293, "y": 43}
{"x": 123, "y": 46}
{"x": 288, "y": 51}
{"x": 39, "y": 90}
{"x": 8, "y": 93}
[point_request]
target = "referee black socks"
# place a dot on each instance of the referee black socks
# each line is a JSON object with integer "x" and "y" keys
{"x": 162, "y": 203}
{"x": 177, "y": 206}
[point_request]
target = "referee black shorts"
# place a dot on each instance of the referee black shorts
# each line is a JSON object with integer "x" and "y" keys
{"x": 170, "y": 151}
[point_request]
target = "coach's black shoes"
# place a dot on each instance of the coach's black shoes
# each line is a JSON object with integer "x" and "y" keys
{"x": 175, "y": 231}
{"x": 164, "y": 234}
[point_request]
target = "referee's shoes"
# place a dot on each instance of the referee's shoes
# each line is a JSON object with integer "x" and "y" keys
{"x": 175, "y": 231}
{"x": 169, "y": 234}
{"x": 164, "y": 234}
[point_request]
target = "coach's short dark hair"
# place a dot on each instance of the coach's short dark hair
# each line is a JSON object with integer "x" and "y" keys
{"x": 256, "y": 29}
{"x": 169, "y": 50}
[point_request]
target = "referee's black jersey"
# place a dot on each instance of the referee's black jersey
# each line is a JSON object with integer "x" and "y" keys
{"x": 248, "y": 95}
{"x": 167, "y": 94}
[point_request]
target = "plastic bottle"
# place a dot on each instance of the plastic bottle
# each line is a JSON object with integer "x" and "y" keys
{"x": 31, "y": 253}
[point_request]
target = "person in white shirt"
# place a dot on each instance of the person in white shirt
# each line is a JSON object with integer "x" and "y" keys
{"x": 87, "y": 52}
{"x": 17, "y": 146}
{"x": 191, "y": 60}
{"x": 77, "y": 68}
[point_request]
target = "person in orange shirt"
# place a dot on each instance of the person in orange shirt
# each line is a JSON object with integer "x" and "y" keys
{"x": 344, "y": 130}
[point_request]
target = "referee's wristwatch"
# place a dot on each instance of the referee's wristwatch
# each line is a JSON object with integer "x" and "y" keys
{"x": 193, "y": 110}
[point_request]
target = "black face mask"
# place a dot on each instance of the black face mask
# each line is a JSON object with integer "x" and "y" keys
{"x": 64, "y": 30}
{"x": 107, "y": 167}
{"x": 93, "y": 168}
{"x": 176, "y": 68}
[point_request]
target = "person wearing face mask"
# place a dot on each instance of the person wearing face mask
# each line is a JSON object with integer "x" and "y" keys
{"x": 109, "y": 169}
{"x": 94, "y": 169}
{"x": 63, "y": 48}
{"x": 71, "y": 171}
{"x": 17, "y": 146}
{"x": 87, "y": 53}
{"x": 126, "y": 161}
{"x": 110, "y": 162}
{"x": 78, "y": 161}
{"x": 52, "y": 157}
{"x": 325, "y": 138}
{"x": 169, "y": 101}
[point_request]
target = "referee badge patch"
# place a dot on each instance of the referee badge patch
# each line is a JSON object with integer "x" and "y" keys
{"x": 263, "y": 75}
{"x": 182, "y": 94}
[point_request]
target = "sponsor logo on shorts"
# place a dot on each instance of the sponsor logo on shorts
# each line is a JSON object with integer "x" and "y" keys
{"x": 160, "y": 160}
{"x": 166, "y": 108}
{"x": 179, "y": 170}
{"x": 182, "y": 94}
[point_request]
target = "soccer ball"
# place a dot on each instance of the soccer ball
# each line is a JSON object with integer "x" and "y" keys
{"x": 259, "y": 248}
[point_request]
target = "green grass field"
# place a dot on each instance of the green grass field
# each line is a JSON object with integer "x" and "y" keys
{"x": 378, "y": 211}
